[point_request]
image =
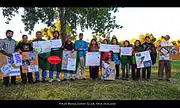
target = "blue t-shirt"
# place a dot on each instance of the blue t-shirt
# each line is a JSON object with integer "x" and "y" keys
{"x": 81, "y": 44}
{"x": 116, "y": 59}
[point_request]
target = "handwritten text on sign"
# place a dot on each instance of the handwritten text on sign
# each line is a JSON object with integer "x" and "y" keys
{"x": 126, "y": 51}
{"x": 108, "y": 47}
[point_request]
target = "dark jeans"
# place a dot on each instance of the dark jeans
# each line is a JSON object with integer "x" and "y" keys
{"x": 125, "y": 70}
{"x": 135, "y": 71}
{"x": 26, "y": 76}
{"x": 6, "y": 80}
{"x": 117, "y": 71}
{"x": 167, "y": 65}
{"x": 94, "y": 71}
{"x": 148, "y": 72}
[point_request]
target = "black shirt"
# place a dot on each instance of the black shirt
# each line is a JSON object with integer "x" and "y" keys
{"x": 24, "y": 47}
{"x": 68, "y": 46}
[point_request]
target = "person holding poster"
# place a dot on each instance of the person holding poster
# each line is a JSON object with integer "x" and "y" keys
{"x": 25, "y": 46}
{"x": 116, "y": 57}
{"x": 126, "y": 61}
{"x": 7, "y": 47}
{"x": 55, "y": 52}
{"x": 148, "y": 46}
{"x": 42, "y": 60}
{"x": 81, "y": 47}
{"x": 68, "y": 46}
{"x": 104, "y": 55}
{"x": 164, "y": 60}
{"x": 93, "y": 47}
{"x": 136, "y": 71}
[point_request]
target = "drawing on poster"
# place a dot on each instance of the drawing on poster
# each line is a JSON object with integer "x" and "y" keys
{"x": 109, "y": 47}
{"x": 25, "y": 62}
{"x": 93, "y": 59}
{"x": 17, "y": 57}
{"x": 25, "y": 55}
{"x": 6, "y": 69}
{"x": 32, "y": 68}
{"x": 126, "y": 51}
{"x": 14, "y": 72}
{"x": 108, "y": 69}
{"x": 143, "y": 59}
{"x": 164, "y": 51}
{"x": 69, "y": 61}
{"x": 56, "y": 43}
{"x": 42, "y": 46}
{"x": 10, "y": 60}
{"x": 32, "y": 55}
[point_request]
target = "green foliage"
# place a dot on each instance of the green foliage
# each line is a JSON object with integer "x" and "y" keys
{"x": 99, "y": 20}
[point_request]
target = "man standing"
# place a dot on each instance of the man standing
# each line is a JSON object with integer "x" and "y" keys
{"x": 165, "y": 60}
{"x": 42, "y": 60}
{"x": 7, "y": 47}
{"x": 81, "y": 47}
{"x": 148, "y": 46}
{"x": 25, "y": 46}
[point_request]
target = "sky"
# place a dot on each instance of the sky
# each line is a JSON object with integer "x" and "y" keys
{"x": 135, "y": 21}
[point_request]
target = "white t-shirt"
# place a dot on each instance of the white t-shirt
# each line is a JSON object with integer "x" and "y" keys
{"x": 166, "y": 56}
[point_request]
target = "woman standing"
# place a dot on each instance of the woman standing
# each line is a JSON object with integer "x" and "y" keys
{"x": 136, "y": 71}
{"x": 68, "y": 46}
{"x": 116, "y": 57}
{"x": 55, "y": 67}
{"x": 104, "y": 55}
{"x": 93, "y": 47}
{"x": 126, "y": 61}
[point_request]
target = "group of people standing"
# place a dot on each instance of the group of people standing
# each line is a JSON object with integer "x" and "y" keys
{"x": 8, "y": 46}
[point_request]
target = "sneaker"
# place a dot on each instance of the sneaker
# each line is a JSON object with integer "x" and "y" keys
{"x": 5, "y": 85}
{"x": 64, "y": 79}
{"x": 127, "y": 79}
{"x": 76, "y": 78}
{"x": 71, "y": 79}
{"x": 58, "y": 80}
{"x": 84, "y": 79}
{"x": 168, "y": 80}
{"x": 43, "y": 81}
{"x": 36, "y": 81}
{"x": 51, "y": 80}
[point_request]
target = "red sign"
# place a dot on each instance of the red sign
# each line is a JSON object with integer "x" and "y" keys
{"x": 54, "y": 60}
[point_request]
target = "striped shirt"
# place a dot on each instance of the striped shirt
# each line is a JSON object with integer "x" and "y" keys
{"x": 8, "y": 45}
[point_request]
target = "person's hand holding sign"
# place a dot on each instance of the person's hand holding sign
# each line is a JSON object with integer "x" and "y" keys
{"x": 72, "y": 51}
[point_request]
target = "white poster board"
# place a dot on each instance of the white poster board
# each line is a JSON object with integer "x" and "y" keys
{"x": 126, "y": 51}
{"x": 56, "y": 43}
{"x": 92, "y": 59}
{"x": 42, "y": 46}
{"x": 69, "y": 61}
{"x": 109, "y": 47}
{"x": 143, "y": 59}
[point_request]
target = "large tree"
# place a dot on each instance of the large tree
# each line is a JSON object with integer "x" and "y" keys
{"x": 99, "y": 20}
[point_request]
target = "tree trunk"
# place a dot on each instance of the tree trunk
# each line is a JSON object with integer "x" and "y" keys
{"x": 62, "y": 23}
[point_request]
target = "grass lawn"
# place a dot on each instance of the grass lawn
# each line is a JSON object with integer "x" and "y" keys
{"x": 98, "y": 90}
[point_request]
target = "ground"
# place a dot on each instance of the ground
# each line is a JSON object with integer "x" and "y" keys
{"x": 98, "y": 90}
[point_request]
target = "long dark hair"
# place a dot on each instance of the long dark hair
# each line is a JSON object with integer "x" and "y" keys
{"x": 139, "y": 43}
{"x": 116, "y": 41}
{"x": 105, "y": 40}
{"x": 127, "y": 42}
{"x": 96, "y": 44}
